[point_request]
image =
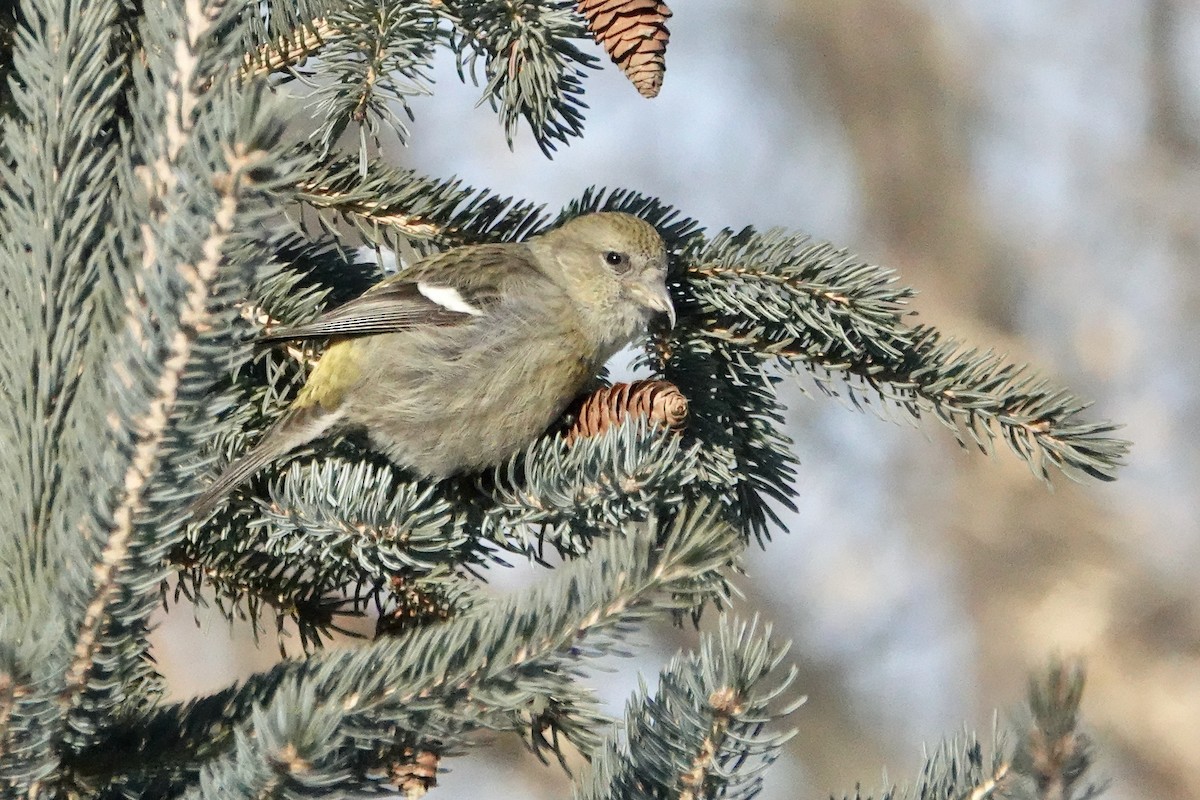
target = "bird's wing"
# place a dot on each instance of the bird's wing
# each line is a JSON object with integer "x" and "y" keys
{"x": 398, "y": 307}
{"x": 451, "y": 288}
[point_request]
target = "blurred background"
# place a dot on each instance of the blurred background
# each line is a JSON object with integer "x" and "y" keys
{"x": 1031, "y": 167}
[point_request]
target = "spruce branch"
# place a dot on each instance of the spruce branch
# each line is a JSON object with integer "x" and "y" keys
{"x": 959, "y": 769}
{"x": 287, "y": 50}
{"x": 164, "y": 384}
{"x": 389, "y": 205}
{"x": 363, "y": 516}
{"x": 785, "y": 286}
{"x": 58, "y": 258}
{"x": 64, "y": 77}
{"x": 779, "y": 297}
{"x": 532, "y": 67}
{"x": 1052, "y": 751}
{"x": 981, "y": 397}
{"x": 737, "y": 421}
{"x": 337, "y": 535}
{"x": 378, "y": 54}
{"x": 152, "y": 425}
{"x": 377, "y": 59}
{"x": 205, "y": 155}
{"x": 568, "y": 491}
{"x": 1050, "y": 758}
{"x": 242, "y": 587}
{"x": 329, "y": 538}
{"x": 159, "y": 750}
{"x": 166, "y": 387}
{"x": 489, "y": 666}
{"x": 711, "y": 712}
{"x": 283, "y": 25}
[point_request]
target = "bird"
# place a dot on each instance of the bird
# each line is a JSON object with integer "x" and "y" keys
{"x": 465, "y": 358}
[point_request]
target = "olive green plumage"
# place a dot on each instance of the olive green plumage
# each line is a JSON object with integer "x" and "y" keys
{"x": 460, "y": 361}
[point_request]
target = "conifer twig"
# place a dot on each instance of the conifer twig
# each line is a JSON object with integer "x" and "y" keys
{"x": 981, "y": 397}
{"x": 377, "y": 212}
{"x": 386, "y": 200}
{"x": 997, "y": 782}
{"x": 1052, "y": 751}
{"x": 706, "y": 731}
{"x": 287, "y": 50}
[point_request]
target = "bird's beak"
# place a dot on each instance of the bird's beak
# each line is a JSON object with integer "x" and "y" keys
{"x": 655, "y": 296}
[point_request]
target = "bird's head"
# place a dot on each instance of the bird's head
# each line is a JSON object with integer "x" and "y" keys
{"x": 614, "y": 266}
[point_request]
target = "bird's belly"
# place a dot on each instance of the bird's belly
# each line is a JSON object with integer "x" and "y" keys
{"x": 469, "y": 409}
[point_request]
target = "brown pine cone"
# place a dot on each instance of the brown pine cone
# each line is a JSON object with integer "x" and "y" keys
{"x": 634, "y": 34}
{"x": 660, "y": 402}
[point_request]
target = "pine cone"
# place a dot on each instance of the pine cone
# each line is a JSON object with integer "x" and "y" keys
{"x": 634, "y": 34}
{"x": 660, "y": 402}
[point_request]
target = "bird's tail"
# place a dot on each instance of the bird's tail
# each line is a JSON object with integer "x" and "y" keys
{"x": 296, "y": 428}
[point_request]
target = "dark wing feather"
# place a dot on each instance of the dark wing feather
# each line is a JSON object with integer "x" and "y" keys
{"x": 400, "y": 308}
{"x": 477, "y": 274}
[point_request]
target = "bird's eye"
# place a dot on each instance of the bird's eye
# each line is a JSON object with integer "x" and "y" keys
{"x": 619, "y": 261}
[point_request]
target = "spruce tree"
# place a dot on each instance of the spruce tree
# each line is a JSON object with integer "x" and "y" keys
{"x": 156, "y": 214}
